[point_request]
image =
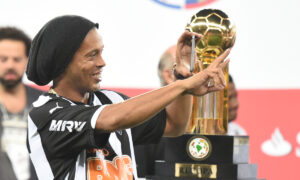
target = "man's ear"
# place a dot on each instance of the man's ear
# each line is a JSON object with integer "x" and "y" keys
{"x": 168, "y": 76}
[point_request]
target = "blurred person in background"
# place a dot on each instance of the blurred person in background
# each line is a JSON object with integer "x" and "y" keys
{"x": 147, "y": 154}
{"x": 234, "y": 129}
{"x": 15, "y": 102}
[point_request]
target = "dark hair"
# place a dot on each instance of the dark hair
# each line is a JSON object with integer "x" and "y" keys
{"x": 15, "y": 34}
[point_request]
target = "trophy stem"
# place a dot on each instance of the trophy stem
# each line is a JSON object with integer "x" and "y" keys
{"x": 210, "y": 112}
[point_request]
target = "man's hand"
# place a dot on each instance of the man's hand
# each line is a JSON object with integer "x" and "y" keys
{"x": 210, "y": 79}
{"x": 183, "y": 53}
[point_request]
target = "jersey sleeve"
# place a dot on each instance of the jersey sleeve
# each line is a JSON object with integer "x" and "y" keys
{"x": 65, "y": 129}
{"x": 151, "y": 131}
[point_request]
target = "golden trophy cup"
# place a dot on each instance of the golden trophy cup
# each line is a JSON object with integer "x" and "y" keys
{"x": 204, "y": 152}
{"x": 210, "y": 112}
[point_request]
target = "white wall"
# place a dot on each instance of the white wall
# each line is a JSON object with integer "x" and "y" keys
{"x": 136, "y": 32}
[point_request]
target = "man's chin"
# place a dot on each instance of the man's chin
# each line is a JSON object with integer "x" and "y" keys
{"x": 93, "y": 88}
{"x": 232, "y": 117}
{"x": 96, "y": 87}
{"x": 10, "y": 84}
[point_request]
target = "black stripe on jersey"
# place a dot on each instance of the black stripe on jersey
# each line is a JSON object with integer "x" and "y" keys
{"x": 72, "y": 172}
{"x": 27, "y": 143}
{"x": 103, "y": 98}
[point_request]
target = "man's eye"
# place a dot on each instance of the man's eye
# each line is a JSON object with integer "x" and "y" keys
{"x": 94, "y": 54}
{"x": 3, "y": 59}
{"x": 17, "y": 59}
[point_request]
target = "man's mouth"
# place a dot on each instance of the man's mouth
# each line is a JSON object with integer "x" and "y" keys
{"x": 97, "y": 76}
{"x": 11, "y": 76}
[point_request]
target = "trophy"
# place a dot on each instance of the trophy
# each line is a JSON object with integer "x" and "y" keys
{"x": 205, "y": 152}
{"x": 210, "y": 112}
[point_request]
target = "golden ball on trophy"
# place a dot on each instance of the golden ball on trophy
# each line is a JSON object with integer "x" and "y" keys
{"x": 218, "y": 33}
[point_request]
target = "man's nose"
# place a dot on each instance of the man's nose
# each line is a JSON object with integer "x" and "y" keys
{"x": 100, "y": 62}
{"x": 10, "y": 63}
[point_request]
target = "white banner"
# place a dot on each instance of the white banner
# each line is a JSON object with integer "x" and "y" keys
{"x": 136, "y": 33}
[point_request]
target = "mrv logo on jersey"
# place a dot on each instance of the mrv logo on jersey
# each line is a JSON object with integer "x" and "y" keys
{"x": 62, "y": 125}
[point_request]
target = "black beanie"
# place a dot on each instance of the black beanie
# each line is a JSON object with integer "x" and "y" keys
{"x": 54, "y": 46}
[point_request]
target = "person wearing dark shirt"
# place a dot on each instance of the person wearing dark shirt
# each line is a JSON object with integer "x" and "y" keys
{"x": 76, "y": 131}
{"x": 15, "y": 103}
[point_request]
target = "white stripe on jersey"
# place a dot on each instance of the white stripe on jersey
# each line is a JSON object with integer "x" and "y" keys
{"x": 113, "y": 96}
{"x": 113, "y": 140}
{"x": 67, "y": 176}
{"x": 132, "y": 153}
{"x": 80, "y": 172}
{"x": 115, "y": 143}
{"x": 41, "y": 101}
{"x": 96, "y": 100}
{"x": 95, "y": 116}
{"x": 39, "y": 159}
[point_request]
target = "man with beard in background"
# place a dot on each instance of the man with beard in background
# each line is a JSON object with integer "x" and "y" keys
{"x": 15, "y": 102}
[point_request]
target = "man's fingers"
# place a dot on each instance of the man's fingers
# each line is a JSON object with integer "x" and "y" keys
{"x": 190, "y": 34}
{"x": 224, "y": 64}
{"x": 199, "y": 64}
{"x": 217, "y": 80}
{"x": 222, "y": 78}
{"x": 214, "y": 88}
{"x": 198, "y": 37}
{"x": 221, "y": 58}
{"x": 182, "y": 37}
{"x": 195, "y": 62}
{"x": 187, "y": 36}
{"x": 224, "y": 55}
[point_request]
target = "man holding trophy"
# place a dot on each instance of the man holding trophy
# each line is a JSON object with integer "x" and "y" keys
{"x": 76, "y": 131}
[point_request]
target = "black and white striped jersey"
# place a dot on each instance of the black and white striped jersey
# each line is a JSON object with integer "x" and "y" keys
{"x": 63, "y": 142}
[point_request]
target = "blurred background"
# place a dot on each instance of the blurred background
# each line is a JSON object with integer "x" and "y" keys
{"x": 264, "y": 61}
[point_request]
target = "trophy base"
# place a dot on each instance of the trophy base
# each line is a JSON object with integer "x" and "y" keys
{"x": 214, "y": 149}
{"x": 210, "y": 171}
{"x": 174, "y": 178}
{"x": 194, "y": 156}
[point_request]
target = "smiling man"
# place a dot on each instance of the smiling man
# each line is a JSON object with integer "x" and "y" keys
{"x": 77, "y": 131}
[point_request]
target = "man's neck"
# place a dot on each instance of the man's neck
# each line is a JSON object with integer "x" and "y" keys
{"x": 72, "y": 94}
{"x": 13, "y": 99}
